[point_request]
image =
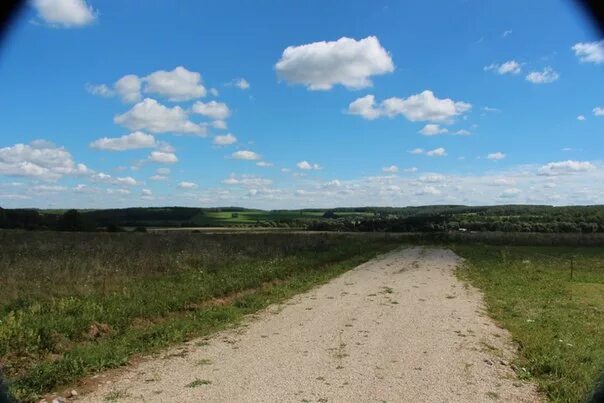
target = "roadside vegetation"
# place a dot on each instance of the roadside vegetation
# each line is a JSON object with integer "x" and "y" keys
{"x": 557, "y": 321}
{"x": 72, "y": 304}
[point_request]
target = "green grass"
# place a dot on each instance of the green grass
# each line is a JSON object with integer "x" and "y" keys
{"x": 557, "y": 322}
{"x": 75, "y": 304}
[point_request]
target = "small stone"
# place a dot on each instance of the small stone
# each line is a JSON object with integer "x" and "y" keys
{"x": 488, "y": 362}
{"x": 73, "y": 393}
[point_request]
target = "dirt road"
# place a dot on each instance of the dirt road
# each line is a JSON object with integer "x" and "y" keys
{"x": 400, "y": 328}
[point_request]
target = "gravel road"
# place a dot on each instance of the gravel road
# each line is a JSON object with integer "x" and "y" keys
{"x": 399, "y": 328}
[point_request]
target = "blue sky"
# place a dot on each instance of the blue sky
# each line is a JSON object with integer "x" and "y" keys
{"x": 280, "y": 104}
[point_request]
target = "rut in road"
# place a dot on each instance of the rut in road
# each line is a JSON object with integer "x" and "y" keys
{"x": 398, "y": 328}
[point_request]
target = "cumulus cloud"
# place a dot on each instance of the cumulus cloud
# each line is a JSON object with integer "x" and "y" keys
{"x": 417, "y": 151}
{"x": 598, "y": 111}
{"x": 245, "y": 155}
{"x": 590, "y": 52}
{"x": 163, "y": 157}
{"x": 307, "y": 166}
{"x": 432, "y": 129}
{"x": 509, "y": 67}
{"x": 187, "y": 185}
{"x": 462, "y": 132}
{"x": 568, "y": 167}
{"x": 219, "y": 124}
{"x": 419, "y": 107}
{"x": 437, "y": 152}
{"x": 100, "y": 90}
{"x": 321, "y": 65}
{"x": 241, "y": 83}
{"x": 152, "y": 116}
{"x": 176, "y": 85}
{"x": 264, "y": 164}
{"x": 106, "y": 178}
{"x": 130, "y": 141}
{"x": 392, "y": 169}
{"x": 214, "y": 110}
{"x": 546, "y": 76}
{"x": 129, "y": 88}
{"x": 247, "y": 180}
{"x": 179, "y": 84}
{"x": 39, "y": 159}
{"x": 496, "y": 156}
{"x": 64, "y": 13}
{"x": 582, "y": 118}
{"x": 225, "y": 140}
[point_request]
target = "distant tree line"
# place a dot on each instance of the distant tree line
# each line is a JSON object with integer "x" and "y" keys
{"x": 507, "y": 218}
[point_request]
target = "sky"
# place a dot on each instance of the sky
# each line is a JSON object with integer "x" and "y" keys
{"x": 293, "y": 104}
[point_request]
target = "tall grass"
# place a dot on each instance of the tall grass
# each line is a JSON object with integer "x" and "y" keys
{"x": 557, "y": 321}
{"x": 75, "y": 303}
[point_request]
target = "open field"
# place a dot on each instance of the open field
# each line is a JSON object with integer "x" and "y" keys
{"x": 75, "y": 303}
{"x": 558, "y": 322}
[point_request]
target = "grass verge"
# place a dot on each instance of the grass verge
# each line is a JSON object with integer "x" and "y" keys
{"x": 54, "y": 341}
{"x": 558, "y": 322}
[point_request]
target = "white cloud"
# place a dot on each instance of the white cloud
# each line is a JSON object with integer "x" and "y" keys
{"x": 432, "y": 178}
{"x": 506, "y": 33}
{"x": 157, "y": 118}
{"x": 40, "y": 159}
{"x": 64, "y": 13}
{"x": 496, "y": 156}
{"x": 247, "y": 180}
{"x": 581, "y": 117}
{"x": 100, "y": 90}
{"x": 598, "y": 111}
{"x": 417, "y": 151}
{"x": 489, "y": 109}
{"x": 321, "y": 65}
{"x": 509, "y": 67}
{"x": 392, "y": 169}
{"x": 241, "y": 83}
{"x": 214, "y": 110}
{"x": 365, "y": 107}
{"x": 106, "y": 178}
{"x": 126, "y": 181}
{"x": 428, "y": 191}
{"x": 179, "y": 84}
{"x": 245, "y": 155}
{"x": 187, "y": 185}
{"x": 437, "y": 152}
{"x": 214, "y": 92}
{"x": 158, "y": 177}
{"x": 163, "y": 157}
{"x": 130, "y": 141}
{"x": 219, "y": 124}
{"x": 548, "y": 75}
{"x": 129, "y": 88}
{"x": 463, "y": 132}
{"x": 419, "y": 107}
{"x": 307, "y": 166}
{"x": 146, "y": 192}
{"x": 264, "y": 164}
{"x": 590, "y": 52}
{"x": 411, "y": 170}
{"x": 432, "y": 129}
{"x": 225, "y": 140}
{"x": 565, "y": 168}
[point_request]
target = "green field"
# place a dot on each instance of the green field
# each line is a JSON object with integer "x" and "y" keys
{"x": 72, "y": 304}
{"x": 558, "y": 322}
